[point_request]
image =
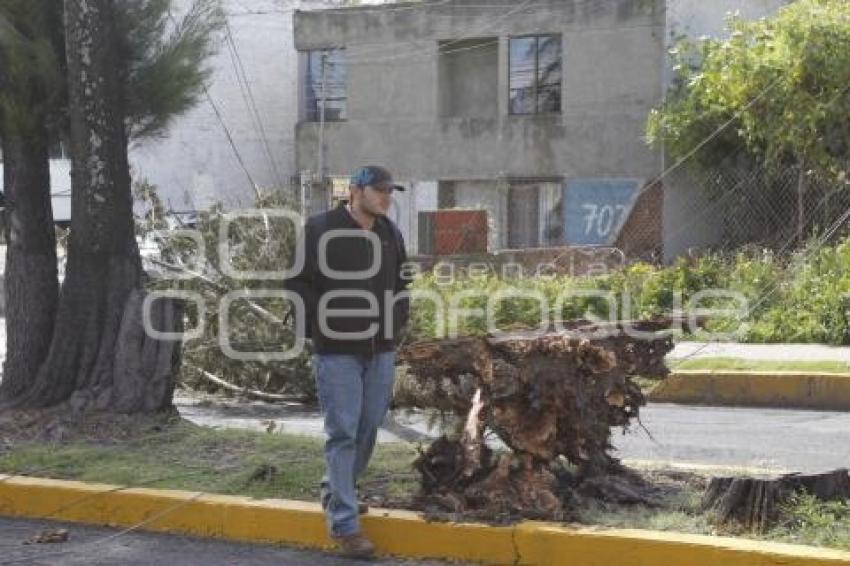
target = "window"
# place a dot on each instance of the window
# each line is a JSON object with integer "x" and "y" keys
{"x": 325, "y": 81}
{"x": 523, "y": 216}
{"x": 468, "y": 78}
{"x": 446, "y": 194}
{"x": 535, "y": 74}
{"x": 535, "y": 214}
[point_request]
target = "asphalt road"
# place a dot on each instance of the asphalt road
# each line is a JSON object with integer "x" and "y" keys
{"x": 88, "y": 546}
{"x": 687, "y": 436}
{"x": 772, "y": 439}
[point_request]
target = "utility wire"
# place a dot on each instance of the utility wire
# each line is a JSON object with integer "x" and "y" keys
{"x": 224, "y": 127}
{"x": 250, "y": 102}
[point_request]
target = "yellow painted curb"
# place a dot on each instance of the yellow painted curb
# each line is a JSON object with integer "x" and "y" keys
{"x": 825, "y": 391}
{"x": 544, "y": 544}
{"x": 394, "y": 532}
{"x": 244, "y": 519}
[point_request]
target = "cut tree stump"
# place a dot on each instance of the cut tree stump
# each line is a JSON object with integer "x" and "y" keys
{"x": 753, "y": 503}
{"x": 545, "y": 395}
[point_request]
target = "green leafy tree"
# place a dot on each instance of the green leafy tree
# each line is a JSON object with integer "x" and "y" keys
{"x": 775, "y": 89}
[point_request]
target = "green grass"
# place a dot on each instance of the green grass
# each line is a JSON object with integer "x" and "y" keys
{"x": 813, "y": 522}
{"x": 759, "y": 365}
{"x": 236, "y": 462}
{"x": 679, "y": 513}
{"x": 806, "y": 520}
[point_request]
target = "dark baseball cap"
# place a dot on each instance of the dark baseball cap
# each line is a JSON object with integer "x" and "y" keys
{"x": 374, "y": 175}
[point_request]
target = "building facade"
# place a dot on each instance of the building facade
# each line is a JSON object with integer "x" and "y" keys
{"x": 241, "y": 133}
{"x": 532, "y": 111}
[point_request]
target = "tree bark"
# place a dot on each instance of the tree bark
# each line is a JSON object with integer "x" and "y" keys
{"x": 100, "y": 357}
{"x": 31, "y": 287}
{"x": 753, "y": 503}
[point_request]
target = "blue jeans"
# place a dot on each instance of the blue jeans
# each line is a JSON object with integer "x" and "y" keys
{"x": 354, "y": 393}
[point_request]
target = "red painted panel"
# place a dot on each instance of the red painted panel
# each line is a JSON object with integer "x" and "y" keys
{"x": 458, "y": 231}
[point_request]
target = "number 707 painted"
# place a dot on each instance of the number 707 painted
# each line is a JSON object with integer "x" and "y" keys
{"x": 602, "y": 218}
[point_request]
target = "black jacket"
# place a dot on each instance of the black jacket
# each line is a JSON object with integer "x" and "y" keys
{"x": 351, "y": 253}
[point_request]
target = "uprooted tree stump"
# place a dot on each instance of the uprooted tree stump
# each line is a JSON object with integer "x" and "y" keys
{"x": 545, "y": 395}
{"x": 754, "y": 503}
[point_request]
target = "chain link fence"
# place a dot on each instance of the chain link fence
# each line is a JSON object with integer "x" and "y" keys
{"x": 732, "y": 207}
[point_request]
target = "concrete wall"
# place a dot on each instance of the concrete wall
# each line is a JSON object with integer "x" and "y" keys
{"x": 689, "y": 220}
{"x": 194, "y": 165}
{"x": 613, "y": 56}
{"x": 469, "y": 79}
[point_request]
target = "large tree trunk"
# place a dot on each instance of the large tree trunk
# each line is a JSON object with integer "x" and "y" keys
{"x": 30, "y": 282}
{"x": 100, "y": 357}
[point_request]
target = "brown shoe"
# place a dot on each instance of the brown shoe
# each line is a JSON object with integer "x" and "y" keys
{"x": 355, "y": 546}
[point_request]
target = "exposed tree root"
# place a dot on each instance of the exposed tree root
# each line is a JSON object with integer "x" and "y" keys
{"x": 545, "y": 396}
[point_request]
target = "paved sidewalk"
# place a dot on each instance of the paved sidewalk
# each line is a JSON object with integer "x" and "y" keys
{"x": 775, "y": 352}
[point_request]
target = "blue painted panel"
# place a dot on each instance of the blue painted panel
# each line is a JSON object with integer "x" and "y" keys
{"x": 595, "y": 210}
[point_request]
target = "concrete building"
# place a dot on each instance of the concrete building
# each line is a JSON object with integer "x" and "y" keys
{"x": 532, "y": 111}
{"x": 243, "y": 133}
{"x": 240, "y": 135}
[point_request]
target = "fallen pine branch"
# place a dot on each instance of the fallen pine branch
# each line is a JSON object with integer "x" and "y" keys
{"x": 254, "y": 307}
{"x": 242, "y": 390}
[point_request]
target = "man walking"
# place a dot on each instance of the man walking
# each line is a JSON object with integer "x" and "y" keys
{"x": 355, "y": 306}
